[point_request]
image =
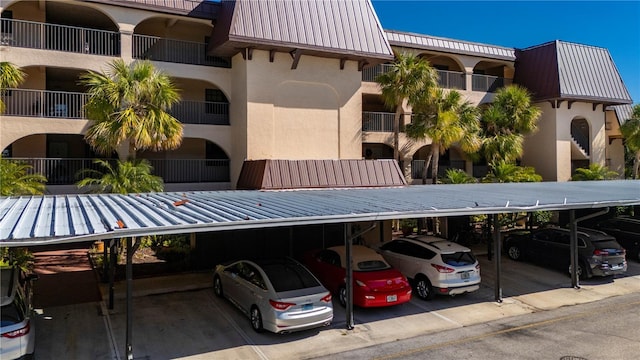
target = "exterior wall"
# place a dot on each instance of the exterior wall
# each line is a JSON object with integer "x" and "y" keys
{"x": 540, "y": 148}
{"x": 312, "y": 112}
{"x": 614, "y": 144}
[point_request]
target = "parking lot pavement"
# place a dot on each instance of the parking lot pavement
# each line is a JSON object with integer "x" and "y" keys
{"x": 182, "y": 319}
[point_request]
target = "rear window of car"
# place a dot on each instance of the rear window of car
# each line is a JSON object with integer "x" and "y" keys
{"x": 605, "y": 244}
{"x": 460, "y": 258}
{"x": 289, "y": 276}
{"x": 11, "y": 314}
{"x": 371, "y": 265}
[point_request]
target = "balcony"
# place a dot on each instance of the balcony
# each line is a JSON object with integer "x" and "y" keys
{"x": 377, "y": 121}
{"x": 452, "y": 80}
{"x": 371, "y": 73}
{"x": 35, "y": 35}
{"x": 43, "y": 103}
{"x": 175, "y": 51}
{"x": 488, "y": 83}
{"x": 70, "y": 105}
{"x": 65, "y": 171}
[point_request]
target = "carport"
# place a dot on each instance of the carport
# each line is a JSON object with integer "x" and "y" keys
{"x": 42, "y": 220}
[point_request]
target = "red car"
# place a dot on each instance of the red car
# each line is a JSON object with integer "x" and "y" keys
{"x": 376, "y": 283}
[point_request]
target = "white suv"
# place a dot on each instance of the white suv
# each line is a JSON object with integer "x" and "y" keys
{"x": 435, "y": 265}
{"x": 17, "y": 335}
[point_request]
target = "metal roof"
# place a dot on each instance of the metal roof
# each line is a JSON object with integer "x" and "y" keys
{"x": 204, "y": 9}
{"x": 332, "y": 28}
{"x": 39, "y": 220}
{"x": 306, "y": 174}
{"x": 623, "y": 112}
{"x": 427, "y": 42}
{"x": 564, "y": 70}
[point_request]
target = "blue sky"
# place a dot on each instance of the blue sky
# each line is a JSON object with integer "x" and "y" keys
{"x": 614, "y": 25}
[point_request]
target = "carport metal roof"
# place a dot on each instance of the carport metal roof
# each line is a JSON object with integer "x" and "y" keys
{"x": 39, "y": 220}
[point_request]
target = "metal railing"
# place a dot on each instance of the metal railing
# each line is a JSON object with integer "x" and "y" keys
{"x": 418, "y": 165}
{"x": 36, "y": 35}
{"x": 67, "y": 171}
{"x": 70, "y": 105}
{"x": 377, "y": 121}
{"x": 488, "y": 83}
{"x": 44, "y": 103}
{"x": 371, "y": 73}
{"x": 175, "y": 51}
{"x": 198, "y": 112}
{"x": 451, "y": 79}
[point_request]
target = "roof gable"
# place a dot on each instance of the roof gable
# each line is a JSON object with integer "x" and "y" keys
{"x": 306, "y": 174}
{"x": 569, "y": 71}
{"x": 328, "y": 27}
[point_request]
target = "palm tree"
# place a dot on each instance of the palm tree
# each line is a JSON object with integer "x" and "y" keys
{"x": 631, "y": 132}
{"x": 131, "y": 103}
{"x": 407, "y": 78}
{"x": 594, "y": 172}
{"x": 505, "y": 172}
{"x": 11, "y": 76}
{"x": 457, "y": 176}
{"x": 16, "y": 179}
{"x": 126, "y": 177}
{"x": 445, "y": 119}
{"x": 506, "y": 121}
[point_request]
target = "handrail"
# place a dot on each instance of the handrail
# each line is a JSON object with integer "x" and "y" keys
{"x": 176, "y": 51}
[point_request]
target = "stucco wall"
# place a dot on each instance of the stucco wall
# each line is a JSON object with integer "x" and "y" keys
{"x": 540, "y": 148}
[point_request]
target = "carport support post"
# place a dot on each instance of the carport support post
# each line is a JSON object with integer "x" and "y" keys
{"x": 113, "y": 262}
{"x": 498, "y": 252}
{"x": 349, "y": 277}
{"x": 129, "y": 349}
{"x": 573, "y": 245}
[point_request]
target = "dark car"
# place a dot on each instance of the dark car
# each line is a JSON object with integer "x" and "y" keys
{"x": 626, "y": 230}
{"x": 599, "y": 254}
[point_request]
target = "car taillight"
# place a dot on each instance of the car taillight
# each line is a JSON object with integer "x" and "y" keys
{"x": 282, "y": 306}
{"x": 478, "y": 267}
{"x": 600, "y": 252}
{"x": 442, "y": 269}
{"x": 17, "y": 333}
{"x": 326, "y": 299}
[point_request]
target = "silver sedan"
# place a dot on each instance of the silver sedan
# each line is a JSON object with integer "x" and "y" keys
{"x": 279, "y": 295}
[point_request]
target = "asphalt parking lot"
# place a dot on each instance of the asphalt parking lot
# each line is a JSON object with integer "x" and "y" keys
{"x": 179, "y": 317}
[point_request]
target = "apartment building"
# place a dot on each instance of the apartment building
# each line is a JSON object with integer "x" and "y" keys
{"x": 283, "y": 80}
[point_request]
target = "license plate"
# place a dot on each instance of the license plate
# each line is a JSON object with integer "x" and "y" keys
{"x": 616, "y": 267}
{"x": 392, "y": 298}
{"x": 307, "y": 306}
{"x": 465, "y": 275}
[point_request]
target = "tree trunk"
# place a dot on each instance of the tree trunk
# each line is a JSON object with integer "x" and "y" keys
{"x": 636, "y": 165}
{"x": 435, "y": 154}
{"x": 396, "y": 133}
{"x": 427, "y": 163}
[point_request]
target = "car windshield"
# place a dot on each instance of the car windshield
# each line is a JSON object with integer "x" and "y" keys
{"x": 289, "y": 276}
{"x": 372, "y": 265}
{"x": 605, "y": 244}
{"x": 459, "y": 258}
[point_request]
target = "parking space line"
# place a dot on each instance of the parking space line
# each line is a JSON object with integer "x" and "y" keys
{"x": 425, "y": 308}
{"x": 107, "y": 324}
{"x": 235, "y": 325}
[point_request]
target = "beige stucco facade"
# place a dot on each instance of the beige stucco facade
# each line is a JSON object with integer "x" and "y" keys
{"x": 277, "y": 110}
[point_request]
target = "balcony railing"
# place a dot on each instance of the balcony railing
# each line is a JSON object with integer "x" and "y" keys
{"x": 418, "y": 165}
{"x": 70, "y": 105}
{"x": 68, "y": 171}
{"x": 371, "y": 73}
{"x": 175, "y": 51}
{"x": 377, "y": 121}
{"x": 452, "y": 80}
{"x": 43, "y": 103}
{"x": 198, "y": 112}
{"x": 487, "y": 83}
{"x": 36, "y": 35}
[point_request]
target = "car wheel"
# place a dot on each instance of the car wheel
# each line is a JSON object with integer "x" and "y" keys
{"x": 342, "y": 296}
{"x": 423, "y": 288}
{"x": 514, "y": 252}
{"x": 256, "y": 320}
{"x": 581, "y": 271}
{"x": 217, "y": 286}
